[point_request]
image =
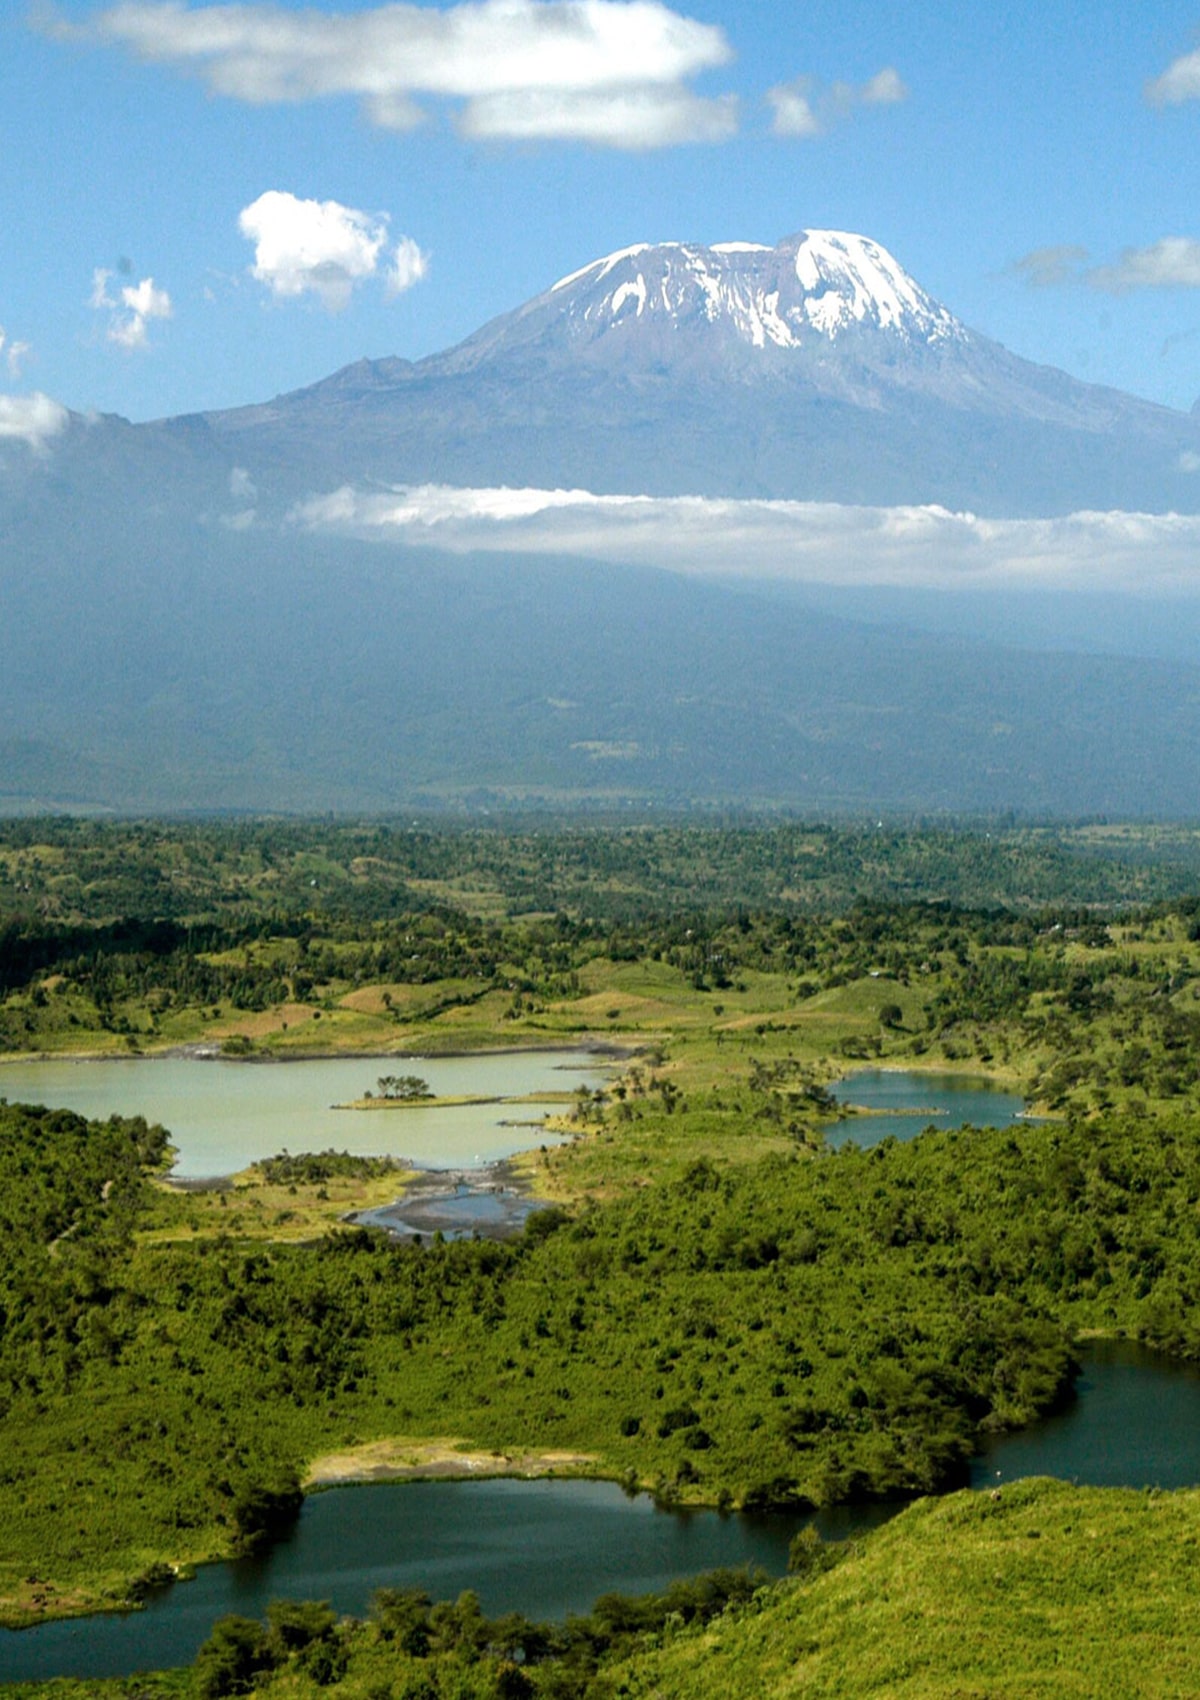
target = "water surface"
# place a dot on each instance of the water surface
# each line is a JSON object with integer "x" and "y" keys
{"x": 917, "y": 1100}
{"x": 545, "y": 1548}
{"x": 1134, "y": 1422}
{"x": 223, "y": 1115}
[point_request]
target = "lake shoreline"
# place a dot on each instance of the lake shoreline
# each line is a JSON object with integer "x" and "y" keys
{"x": 482, "y": 1107}
{"x": 399, "y": 1460}
{"x": 421, "y": 1211}
{"x": 202, "y": 1050}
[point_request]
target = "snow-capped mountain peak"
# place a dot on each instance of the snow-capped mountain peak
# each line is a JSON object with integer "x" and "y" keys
{"x": 809, "y": 288}
{"x": 849, "y": 279}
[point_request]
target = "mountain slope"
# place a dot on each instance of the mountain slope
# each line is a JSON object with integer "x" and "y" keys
{"x": 169, "y": 640}
{"x": 817, "y": 369}
{"x": 344, "y": 676}
{"x": 1044, "y": 1592}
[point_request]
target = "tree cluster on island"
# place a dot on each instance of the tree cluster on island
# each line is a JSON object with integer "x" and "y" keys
{"x": 402, "y": 1088}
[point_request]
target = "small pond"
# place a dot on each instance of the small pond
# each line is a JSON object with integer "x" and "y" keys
{"x": 903, "y": 1101}
{"x": 223, "y": 1115}
{"x": 488, "y": 1205}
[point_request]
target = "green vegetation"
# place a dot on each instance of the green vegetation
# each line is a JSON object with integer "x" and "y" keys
{"x": 1039, "y": 1592}
{"x": 780, "y": 1331}
{"x": 403, "y": 1088}
{"x": 1045, "y": 1590}
{"x": 717, "y": 1307}
{"x": 283, "y": 1199}
{"x": 316, "y": 1168}
{"x": 71, "y": 870}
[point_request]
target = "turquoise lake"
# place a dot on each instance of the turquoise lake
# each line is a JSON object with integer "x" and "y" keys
{"x": 224, "y": 1115}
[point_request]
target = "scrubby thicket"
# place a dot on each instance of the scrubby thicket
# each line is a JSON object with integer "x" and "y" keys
{"x": 717, "y": 1307}
{"x": 68, "y": 870}
{"x": 792, "y": 1330}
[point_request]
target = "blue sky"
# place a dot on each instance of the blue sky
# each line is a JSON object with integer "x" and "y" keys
{"x": 206, "y": 205}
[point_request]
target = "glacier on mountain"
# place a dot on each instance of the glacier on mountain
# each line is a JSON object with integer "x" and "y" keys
{"x": 818, "y": 283}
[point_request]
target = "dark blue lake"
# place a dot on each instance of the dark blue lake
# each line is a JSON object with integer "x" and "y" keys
{"x": 548, "y": 1548}
{"x": 1134, "y": 1422}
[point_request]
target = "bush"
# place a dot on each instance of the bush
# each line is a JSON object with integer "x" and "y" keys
{"x": 233, "y": 1658}
{"x": 261, "y": 1513}
{"x": 295, "y": 1624}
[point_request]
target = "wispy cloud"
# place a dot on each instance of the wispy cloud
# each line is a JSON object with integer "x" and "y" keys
{"x": 31, "y": 419}
{"x": 324, "y": 249}
{"x": 805, "y": 107}
{"x": 131, "y": 309}
{"x": 589, "y": 70}
{"x": 1180, "y": 82}
{"x": 1171, "y": 263}
{"x": 886, "y": 88}
{"x": 13, "y": 353}
{"x": 793, "y": 110}
{"x": 803, "y": 542}
{"x": 1046, "y": 268}
{"x": 408, "y": 266}
{"x": 632, "y": 118}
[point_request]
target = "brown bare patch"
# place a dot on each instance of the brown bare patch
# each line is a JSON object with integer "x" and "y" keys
{"x": 396, "y": 1459}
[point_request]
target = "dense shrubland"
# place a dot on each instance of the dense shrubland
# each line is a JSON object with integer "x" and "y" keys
{"x": 788, "y": 1330}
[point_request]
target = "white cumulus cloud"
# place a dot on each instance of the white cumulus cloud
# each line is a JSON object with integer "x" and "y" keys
{"x": 131, "y": 310}
{"x": 322, "y": 248}
{"x": 807, "y": 108}
{"x": 31, "y": 419}
{"x": 493, "y": 54}
{"x": 802, "y": 542}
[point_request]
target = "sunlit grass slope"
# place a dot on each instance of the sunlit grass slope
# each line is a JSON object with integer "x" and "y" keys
{"x": 1045, "y": 1590}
